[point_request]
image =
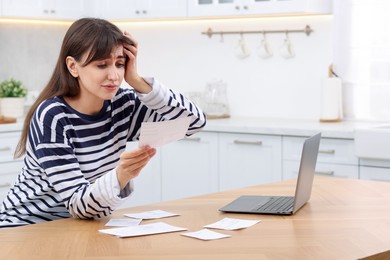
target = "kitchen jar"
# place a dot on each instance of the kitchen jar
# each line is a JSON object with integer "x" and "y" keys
{"x": 216, "y": 100}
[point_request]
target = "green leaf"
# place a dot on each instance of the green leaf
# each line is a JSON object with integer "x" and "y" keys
{"x": 12, "y": 88}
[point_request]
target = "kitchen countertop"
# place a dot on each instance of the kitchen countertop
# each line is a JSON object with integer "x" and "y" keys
{"x": 289, "y": 127}
{"x": 247, "y": 125}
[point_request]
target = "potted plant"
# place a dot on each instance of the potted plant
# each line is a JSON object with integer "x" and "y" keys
{"x": 12, "y": 98}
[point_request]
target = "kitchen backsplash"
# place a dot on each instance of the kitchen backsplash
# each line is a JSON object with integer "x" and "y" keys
{"x": 182, "y": 58}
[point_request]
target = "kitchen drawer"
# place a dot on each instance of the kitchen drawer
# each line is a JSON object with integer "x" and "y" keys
{"x": 374, "y": 162}
{"x": 374, "y": 173}
{"x": 331, "y": 150}
{"x": 8, "y": 175}
{"x": 8, "y": 142}
{"x": 290, "y": 170}
{"x": 248, "y": 159}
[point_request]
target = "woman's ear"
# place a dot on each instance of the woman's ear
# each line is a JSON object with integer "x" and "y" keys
{"x": 72, "y": 66}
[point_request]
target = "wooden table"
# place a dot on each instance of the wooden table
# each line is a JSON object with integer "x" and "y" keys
{"x": 345, "y": 219}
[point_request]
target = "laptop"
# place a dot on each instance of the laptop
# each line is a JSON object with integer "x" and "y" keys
{"x": 283, "y": 205}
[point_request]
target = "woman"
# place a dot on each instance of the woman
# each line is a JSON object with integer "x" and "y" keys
{"x": 75, "y": 134}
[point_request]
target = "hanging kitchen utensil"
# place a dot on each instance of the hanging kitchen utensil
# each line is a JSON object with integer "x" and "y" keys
{"x": 287, "y": 49}
{"x": 242, "y": 50}
{"x": 264, "y": 49}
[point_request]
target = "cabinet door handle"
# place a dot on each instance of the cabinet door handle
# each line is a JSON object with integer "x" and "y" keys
{"x": 325, "y": 173}
{"x": 248, "y": 142}
{"x": 5, "y": 185}
{"x": 376, "y": 179}
{"x": 5, "y": 149}
{"x": 192, "y": 139}
{"x": 328, "y": 173}
{"x": 329, "y": 151}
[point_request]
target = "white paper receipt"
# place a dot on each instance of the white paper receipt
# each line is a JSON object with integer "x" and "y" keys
{"x": 118, "y": 222}
{"x": 142, "y": 230}
{"x": 157, "y": 134}
{"x": 153, "y": 214}
{"x": 205, "y": 234}
{"x": 232, "y": 224}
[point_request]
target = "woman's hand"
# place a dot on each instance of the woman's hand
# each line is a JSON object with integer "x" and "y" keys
{"x": 132, "y": 162}
{"x": 131, "y": 74}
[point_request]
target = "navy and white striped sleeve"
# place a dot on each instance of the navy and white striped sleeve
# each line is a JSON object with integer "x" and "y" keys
{"x": 168, "y": 104}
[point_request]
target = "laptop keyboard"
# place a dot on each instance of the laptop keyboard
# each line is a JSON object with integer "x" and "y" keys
{"x": 276, "y": 204}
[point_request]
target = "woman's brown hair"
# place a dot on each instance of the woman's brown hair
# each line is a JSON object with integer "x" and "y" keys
{"x": 87, "y": 35}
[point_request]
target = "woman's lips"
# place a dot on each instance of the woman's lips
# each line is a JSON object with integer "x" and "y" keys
{"x": 110, "y": 87}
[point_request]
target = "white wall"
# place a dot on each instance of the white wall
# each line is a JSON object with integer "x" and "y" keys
{"x": 184, "y": 59}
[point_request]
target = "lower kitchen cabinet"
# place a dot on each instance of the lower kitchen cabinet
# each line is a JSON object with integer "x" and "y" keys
{"x": 147, "y": 185}
{"x": 8, "y": 143}
{"x": 291, "y": 168}
{"x": 374, "y": 173}
{"x": 185, "y": 168}
{"x": 375, "y": 169}
{"x": 189, "y": 166}
{"x": 249, "y": 159}
{"x": 335, "y": 157}
{"x": 10, "y": 167}
{"x": 9, "y": 173}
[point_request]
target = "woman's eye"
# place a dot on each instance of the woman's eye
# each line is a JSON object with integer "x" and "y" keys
{"x": 120, "y": 65}
{"x": 101, "y": 66}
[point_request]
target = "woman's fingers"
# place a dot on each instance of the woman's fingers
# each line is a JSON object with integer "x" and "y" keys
{"x": 136, "y": 152}
{"x": 130, "y": 49}
{"x": 131, "y": 38}
{"x": 134, "y": 160}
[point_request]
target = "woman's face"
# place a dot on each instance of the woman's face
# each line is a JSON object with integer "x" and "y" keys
{"x": 100, "y": 80}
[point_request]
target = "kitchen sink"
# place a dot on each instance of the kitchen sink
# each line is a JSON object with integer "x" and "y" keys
{"x": 373, "y": 142}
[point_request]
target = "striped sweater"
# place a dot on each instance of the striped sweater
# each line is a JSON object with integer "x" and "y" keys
{"x": 69, "y": 167}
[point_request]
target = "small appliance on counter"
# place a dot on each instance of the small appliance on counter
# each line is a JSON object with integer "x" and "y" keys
{"x": 216, "y": 103}
{"x": 331, "y": 99}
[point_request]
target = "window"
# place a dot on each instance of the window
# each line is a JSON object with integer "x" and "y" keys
{"x": 362, "y": 57}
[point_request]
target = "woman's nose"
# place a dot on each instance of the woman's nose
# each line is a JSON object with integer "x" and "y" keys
{"x": 113, "y": 73}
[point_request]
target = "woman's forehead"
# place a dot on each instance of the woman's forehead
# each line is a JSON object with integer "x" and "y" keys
{"x": 117, "y": 51}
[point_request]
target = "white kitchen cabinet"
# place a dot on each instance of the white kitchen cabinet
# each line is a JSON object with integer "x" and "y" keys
{"x": 375, "y": 169}
{"x": 44, "y": 9}
{"x": 8, "y": 176}
{"x": 8, "y": 143}
{"x": 140, "y": 9}
{"x": 70, "y": 9}
{"x": 23, "y": 8}
{"x": 147, "y": 185}
{"x": 256, "y": 7}
{"x": 249, "y": 159}
{"x": 189, "y": 167}
{"x": 291, "y": 168}
{"x": 335, "y": 157}
{"x": 9, "y": 167}
{"x": 374, "y": 173}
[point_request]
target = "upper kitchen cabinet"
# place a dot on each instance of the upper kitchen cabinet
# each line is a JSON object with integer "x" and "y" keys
{"x": 140, "y": 9}
{"x": 204, "y": 8}
{"x": 44, "y": 9}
